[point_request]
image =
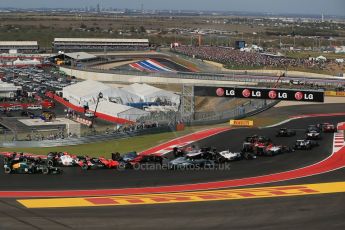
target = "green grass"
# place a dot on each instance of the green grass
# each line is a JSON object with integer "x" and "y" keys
{"x": 105, "y": 149}
{"x": 300, "y": 69}
{"x": 308, "y": 54}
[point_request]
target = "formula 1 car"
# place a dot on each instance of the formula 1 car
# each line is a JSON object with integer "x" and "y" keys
{"x": 313, "y": 135}
{"x": 126, "y": 157}
{"x": 108, "y": 163}
{"x": 178, "y": 152}
{"x": 256, "y": 147}
{"x": 251, "y": 143}
{"x": 311, "y": 128}
{"x": 146, "y": 159}
{"x": 272, "y": 150}
{"x": 284, "y": 132}
{"x": 22, "y": 157}
{"x": 30, "y": 168}
{"x": 87, "y": 163}
{"x": 227, "y": 155}
{"x": 258, "y": 139}
{"x": 203, "y": 153}
{"x": 61, "y": 159}
{"x": 328, "y": 128}
{"x": 129, "y": 156}
{"x": 185, "y": 163}
{"x": 305, "y": 144}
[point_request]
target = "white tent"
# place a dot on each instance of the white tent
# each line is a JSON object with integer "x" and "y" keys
{"x": 122, "y": 96}
{"x": 85, "y": 93}
{"x": 121, "y": 111}
{"x": 149, "y": 93}
{"x": 26, "y": 62}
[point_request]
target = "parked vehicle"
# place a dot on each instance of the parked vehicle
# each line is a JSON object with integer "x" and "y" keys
{"x": 34, "y": 107}
{"x": 89, "y": 114}
{"x": 15, "y": 108}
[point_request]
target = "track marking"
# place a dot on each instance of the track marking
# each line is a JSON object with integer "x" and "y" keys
{"x": 184, "y": 141}
{"x": 185, "y": 197}
{"x": 338, "y": 140}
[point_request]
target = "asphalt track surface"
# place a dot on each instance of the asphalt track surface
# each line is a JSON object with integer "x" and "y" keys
{"x": 76, "y": 178}
{"x": 307, "y": 212}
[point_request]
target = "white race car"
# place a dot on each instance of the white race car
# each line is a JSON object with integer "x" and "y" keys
{"x": 227, "y": 155}
{"x": 67, "y": 160}
{"x": 272, "y": 150}
{"x": 313, "y": 135}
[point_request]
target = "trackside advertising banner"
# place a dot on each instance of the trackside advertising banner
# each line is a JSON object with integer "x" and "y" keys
{"x": 260, "y": 93}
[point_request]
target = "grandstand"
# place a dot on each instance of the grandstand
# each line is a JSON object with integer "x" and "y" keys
{"x": 19, "y": 46}
{"x": 99, "y": 44}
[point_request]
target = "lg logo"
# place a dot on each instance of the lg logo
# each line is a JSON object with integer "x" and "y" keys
{"x": 220, "y": 92}
{"x": 274, "y": 95}
{"x": 308, "y": 97}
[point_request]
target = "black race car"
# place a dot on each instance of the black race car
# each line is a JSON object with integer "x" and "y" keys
{"x": 316, "y": 128}
{"x": 258, "y": 139}
{"x": 203, "y": 153}
{"x": 284, "y": 132}
{"x": 305, "y": 144}
{"x": 186, "y": 163}
{"x": 178, "y": 152}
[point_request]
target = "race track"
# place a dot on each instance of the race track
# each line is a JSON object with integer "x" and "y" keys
{"x": 307, "y": 212}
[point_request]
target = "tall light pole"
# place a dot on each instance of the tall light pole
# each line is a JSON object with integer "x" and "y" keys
{"x": 100, "y": 95}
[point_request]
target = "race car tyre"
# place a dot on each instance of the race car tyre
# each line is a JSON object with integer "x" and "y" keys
{"x": 7, "y": 170}
{"x": 50, "y": 163}
{"x": 45, "y": 171}
{"x": 122, "y": 166}
{"x": 85, "y": 167}
{"x": 221, "y": 160}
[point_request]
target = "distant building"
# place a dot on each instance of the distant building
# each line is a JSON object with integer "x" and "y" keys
{"x": 99, "y": 44}
{"x": 75, "y": 59}
{"x": 19, "y": 46}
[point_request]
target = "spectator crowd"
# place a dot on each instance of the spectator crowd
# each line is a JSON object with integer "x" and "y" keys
{"x": 237, "y": 58}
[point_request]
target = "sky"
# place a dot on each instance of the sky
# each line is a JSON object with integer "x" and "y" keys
{"x": 330, "y": 7}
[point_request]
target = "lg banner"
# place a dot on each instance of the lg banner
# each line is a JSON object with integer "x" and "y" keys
{"x": 260, "y": 93}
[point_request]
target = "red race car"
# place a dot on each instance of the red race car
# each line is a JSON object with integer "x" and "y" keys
{"x": 329, "y": 128}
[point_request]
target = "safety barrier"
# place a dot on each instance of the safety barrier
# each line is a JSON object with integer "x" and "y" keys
{"x": 84, "y": 140}
{"x": 335, "y": 93}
